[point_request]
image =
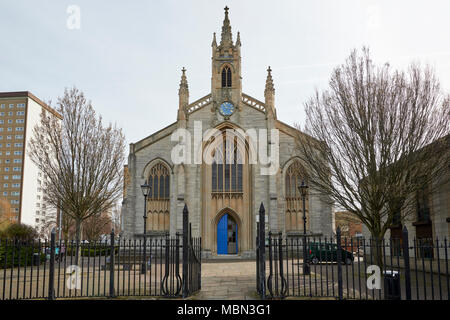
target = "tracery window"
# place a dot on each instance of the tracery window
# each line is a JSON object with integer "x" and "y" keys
{"x": 226, "y": 77}
{"x": 226, "y": 175}
{"x": 295, "y": 174}
{"x": 158, "y": 205}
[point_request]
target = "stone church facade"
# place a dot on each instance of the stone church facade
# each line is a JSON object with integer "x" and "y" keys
{"x": 223, "y": 198}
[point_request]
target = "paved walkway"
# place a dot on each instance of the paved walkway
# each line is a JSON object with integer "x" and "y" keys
{"x": 228, "y": 280}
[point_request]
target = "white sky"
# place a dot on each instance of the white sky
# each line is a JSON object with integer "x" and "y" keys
{"x": 127, "y": 55}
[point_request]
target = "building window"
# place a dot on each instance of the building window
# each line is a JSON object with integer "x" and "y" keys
{"x": 227, "y": 167}
{"x": 21, "y": 105}
{"x": 11, "y": 106}
{"x": 423, "y": 207}
{"x": 159, "y": 198}
{"x": 295, "y": 174}
{"x": 159, "y": 180}
{"x": 226, "y": 77}
{"x": 20, "y": 113}
{"x": 16, "y": 177}
{"x": 20, "y": 121}
{"x": 19, "y": 128}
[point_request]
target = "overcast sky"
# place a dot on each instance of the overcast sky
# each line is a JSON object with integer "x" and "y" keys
{"x": 127, "y": 55}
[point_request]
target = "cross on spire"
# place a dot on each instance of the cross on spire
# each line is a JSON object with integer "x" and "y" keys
{"x": 226, "y": 39}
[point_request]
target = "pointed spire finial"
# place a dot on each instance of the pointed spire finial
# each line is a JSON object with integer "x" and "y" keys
{"x": 183, "y": 83}
{"x": 269, "y": 94}
{"x": 226, "y": 31}
{"x": 183, "y": 95}
{"x": 214, "y": 43}
{"x": 269, "y": 81}
{"x": 238, "y": 40}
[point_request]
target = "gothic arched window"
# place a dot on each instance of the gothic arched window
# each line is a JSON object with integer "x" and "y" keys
{"x": 159, "y": 198}
{"x": 226, "y": 77}
{"x": 295, "y": 174}
{"x": 226, "y": 175}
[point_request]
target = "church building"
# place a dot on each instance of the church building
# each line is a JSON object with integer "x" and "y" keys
{"x": 223, "y": 197}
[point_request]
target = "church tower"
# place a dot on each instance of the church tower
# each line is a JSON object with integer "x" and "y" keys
{"x": 226, "y": 81}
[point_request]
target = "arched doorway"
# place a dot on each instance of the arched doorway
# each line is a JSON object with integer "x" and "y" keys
{"x": 227, "y": 235}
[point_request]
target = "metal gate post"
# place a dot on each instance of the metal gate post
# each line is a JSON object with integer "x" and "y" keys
{"x": 112, "y": 292}
{"x": 262, "y": 250}
{"x": 405, "y": 242}
{"x": 185, "y": 250}
{"x": 51, "y": 276}
{"x": 339, "y": 262}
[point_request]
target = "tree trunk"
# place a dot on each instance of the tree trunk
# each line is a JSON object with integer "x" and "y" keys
{"x": 78, "y": 240}
{"x": 377, "y": 249}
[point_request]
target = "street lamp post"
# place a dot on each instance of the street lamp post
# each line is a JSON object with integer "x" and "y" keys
{"x": 304, "y": 192}
{"x": 146, "y": 189}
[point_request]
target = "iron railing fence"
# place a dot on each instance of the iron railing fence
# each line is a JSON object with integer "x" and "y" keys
{"x": 70, "y": 269}
{"x": 404, "y": 268}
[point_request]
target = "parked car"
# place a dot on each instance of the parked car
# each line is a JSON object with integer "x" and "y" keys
{"x": 320, "y": 252}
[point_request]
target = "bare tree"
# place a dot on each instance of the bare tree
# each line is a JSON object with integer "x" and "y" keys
{"x": 95, "y": 226}
{"x": 116, "y": 217}
{"x": 81, "y": 158}
{"x": 380, "y": 136}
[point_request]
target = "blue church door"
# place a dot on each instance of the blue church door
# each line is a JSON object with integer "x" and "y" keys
{"x": 227, "y": 235}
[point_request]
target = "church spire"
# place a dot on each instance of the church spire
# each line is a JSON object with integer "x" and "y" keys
{"x": 269, "y": 93}
{"x": 214, "y": 42}
{"x": 183, "y": 94}
{"x": 238, "y": 40}
{"x": 226, "y": 40}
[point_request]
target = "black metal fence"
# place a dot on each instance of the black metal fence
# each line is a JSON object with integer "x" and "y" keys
{"x": 357, "y": 268}
{"x": 166, "y": 266}
{"x": 404, "y": 268}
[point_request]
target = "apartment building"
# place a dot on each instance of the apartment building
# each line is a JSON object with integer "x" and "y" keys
{"x": 21, "y": 182}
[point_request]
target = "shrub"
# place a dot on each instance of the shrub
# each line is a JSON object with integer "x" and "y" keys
{"x": 18, "y": 253}
{"x": 19, "y": 231}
